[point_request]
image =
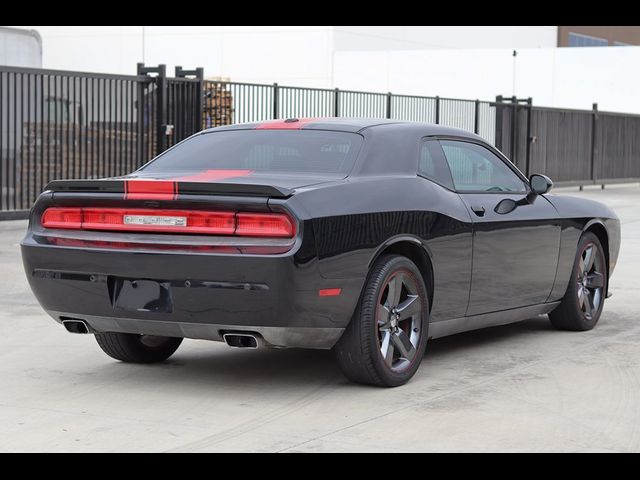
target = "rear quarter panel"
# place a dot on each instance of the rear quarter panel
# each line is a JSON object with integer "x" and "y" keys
{"x": 353, "y": 220}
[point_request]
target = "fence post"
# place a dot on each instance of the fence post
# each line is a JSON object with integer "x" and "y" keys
{"x": 437, "y": 110}
{"x": 276, "y": 101}
{"x": 389, "y": 105}
{"x": 499, "y": 122}
{"x": 336, "y": 103}
{"x": 514, "y": 130}
{"x": 200, "y": 99}
{"x": 476, "y": 118}
{"x": 161, "y": 102}
{"x": 528, "y": 144}
{"x": 140, "y": 117}
{"x": 594, "y": 121}
{"x": 199, "y": 106}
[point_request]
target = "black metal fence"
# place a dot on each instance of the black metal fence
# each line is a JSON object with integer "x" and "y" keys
{"x": 59, "y": 124}
{"x": 232, "y": 102}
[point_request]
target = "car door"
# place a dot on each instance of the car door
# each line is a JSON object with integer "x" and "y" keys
{"x": 451, "y": 246}
{"x": 515, "y": 250}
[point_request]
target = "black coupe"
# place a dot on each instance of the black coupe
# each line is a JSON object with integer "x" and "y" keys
{"x": 365, "y": 236}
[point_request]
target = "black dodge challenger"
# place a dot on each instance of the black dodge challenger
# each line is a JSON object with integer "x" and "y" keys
{"x": 365, "y": 236}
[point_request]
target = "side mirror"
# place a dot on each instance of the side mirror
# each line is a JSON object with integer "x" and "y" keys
{"x": 540, "y": 184}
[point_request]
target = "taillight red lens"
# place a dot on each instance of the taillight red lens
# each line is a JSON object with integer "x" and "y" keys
{"x": 264, "y": 225}
{"x": 170, "y": 221}
{"x": 62, "y": 218}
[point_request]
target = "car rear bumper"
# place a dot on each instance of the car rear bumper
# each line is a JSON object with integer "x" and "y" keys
{"x": 294, "y": 337}
{"x": 205, "y": 295}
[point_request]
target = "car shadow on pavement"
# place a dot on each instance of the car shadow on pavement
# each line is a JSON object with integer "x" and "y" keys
{"x": 452, "y": 345}
{"x": 203, "y": 365}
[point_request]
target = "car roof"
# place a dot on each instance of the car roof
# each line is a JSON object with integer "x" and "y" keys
{"x": 355, "y": 125}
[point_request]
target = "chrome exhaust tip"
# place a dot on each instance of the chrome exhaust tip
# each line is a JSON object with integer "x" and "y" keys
{"x": 76, "y": 326}
{"x": 241, "y": 340}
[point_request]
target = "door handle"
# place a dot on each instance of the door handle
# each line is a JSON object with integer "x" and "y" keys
{"x": 478, "y": 210}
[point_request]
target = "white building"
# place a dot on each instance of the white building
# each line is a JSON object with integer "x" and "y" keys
{"x": 454, "y": 61}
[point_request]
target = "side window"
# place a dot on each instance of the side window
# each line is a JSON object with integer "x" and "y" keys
{"x": 433, "y": 164}
{"x": 476, "y": 169}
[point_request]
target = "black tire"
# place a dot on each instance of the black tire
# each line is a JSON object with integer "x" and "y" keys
{"x": 132, "y": 348}
{"x": 573, "y": 313}
{"x": 359, "y": 350}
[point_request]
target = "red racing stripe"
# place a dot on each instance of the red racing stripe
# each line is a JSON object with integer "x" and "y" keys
{"x": 150, "y": 190}
{"x": 213, "y": 175}
{"x": 285, "y": 125}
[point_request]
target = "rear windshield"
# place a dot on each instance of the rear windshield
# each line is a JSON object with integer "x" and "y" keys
{"x": 283, "y": 151}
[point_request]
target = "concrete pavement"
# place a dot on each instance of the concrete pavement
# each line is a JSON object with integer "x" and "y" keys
{"x": 518, "y": 387}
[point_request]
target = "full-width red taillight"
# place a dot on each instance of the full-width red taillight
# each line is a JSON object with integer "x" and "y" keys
{"x": 169, "y": 221}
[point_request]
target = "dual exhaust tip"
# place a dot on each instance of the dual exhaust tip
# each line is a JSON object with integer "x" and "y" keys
{"x": 74, "y": 325}
{"x": 236, "y": 340}
{"x": 241, "y": 340}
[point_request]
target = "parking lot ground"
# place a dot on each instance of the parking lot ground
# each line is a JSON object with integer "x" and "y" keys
{"x": 518, "y": 387}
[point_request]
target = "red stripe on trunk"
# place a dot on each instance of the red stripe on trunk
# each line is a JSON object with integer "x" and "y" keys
{"x": 285, "y": 125}
{"x": 150, "y": 190}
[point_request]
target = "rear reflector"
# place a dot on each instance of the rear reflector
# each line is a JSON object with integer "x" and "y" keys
{"x": 329, "y": 292}
{"x": 169, "y": 221}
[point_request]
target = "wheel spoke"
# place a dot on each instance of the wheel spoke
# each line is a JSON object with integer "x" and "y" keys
{"x": 382, "y": 316}
{"x": 595, "y": 280}
{"x": 588, "y": 303}
{"x": 581, "y": 297}
{"x": 387, "y": 348}
{"x": 590, "y": 254}
{"x": 410, "y": 307}
{"x": 402, "y": 342}
{"x": 395, "y": 288}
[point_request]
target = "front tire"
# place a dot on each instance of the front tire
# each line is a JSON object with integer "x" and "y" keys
{"x": 131, "y": 348}
{"x": 386, "y": 339}
{"x": 582, "y": 303}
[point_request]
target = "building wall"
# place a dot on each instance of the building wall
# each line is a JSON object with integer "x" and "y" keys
{"x": 413, "y": 60}
{"x": 299, "y": 55}
{"x": 348, "y": 38}
{"x": 625, "y": 34}
{"x": 292, "y": 55}
{"x": 561, "y": 77}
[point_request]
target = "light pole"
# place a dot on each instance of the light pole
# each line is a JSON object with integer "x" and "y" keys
{"x": 515, "y": 54}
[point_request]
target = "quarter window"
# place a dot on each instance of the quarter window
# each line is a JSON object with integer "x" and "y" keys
{"x": 476, "y": 169}
{"x": 433, "y": 164}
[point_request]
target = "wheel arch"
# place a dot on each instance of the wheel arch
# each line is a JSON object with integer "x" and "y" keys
{"x": 412, "y": 248}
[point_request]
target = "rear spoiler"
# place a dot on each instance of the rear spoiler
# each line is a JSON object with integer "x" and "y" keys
{"x": 136, "y": 189}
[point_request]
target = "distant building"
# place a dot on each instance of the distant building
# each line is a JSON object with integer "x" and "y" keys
{"x": 598, "y": 36}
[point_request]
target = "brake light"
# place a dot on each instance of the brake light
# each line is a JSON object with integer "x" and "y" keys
{"x": 264, "y": 225}
{"x": 169, "y": 221}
